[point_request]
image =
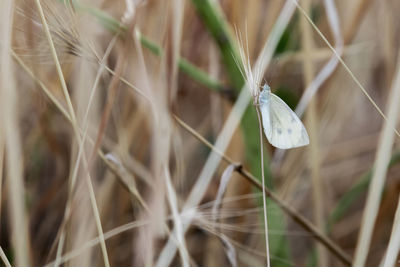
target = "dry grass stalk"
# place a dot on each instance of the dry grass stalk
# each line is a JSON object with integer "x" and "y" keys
{"x": 379, "y": 176}
{"x": 153, "y": 161}
{"x": 308, "y": 47}
{"x": 18, "y": 219}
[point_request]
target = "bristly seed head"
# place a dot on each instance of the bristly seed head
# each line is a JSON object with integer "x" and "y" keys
{"x": 252, "y": 76}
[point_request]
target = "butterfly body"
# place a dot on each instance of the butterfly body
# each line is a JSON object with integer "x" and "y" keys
{"x": 282, "y": 127}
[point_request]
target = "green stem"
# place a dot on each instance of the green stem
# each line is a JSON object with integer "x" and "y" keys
{"x": 199, "y": 76}
{"x": 214, "y": 20}
{"x": 217, "y": 26}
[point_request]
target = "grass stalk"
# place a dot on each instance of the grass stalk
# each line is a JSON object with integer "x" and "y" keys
{"x": 297, "y": 217}
{"x": 149, "y": 172}
{"x": 353, "y": 77}
{"x": 216, "y": 24}
{"x": 173, "y": 203}
{"x": 116, "y": 27}
{"x": 2, "y": 151}
{"x": 285, "y": 207}
{"x": 10, "y": 129}
{"x": 96, "y": 241}
{"x": 4, "y": 258}
{"x": 261, "y": 64}
{"x": 379, "y": 174}
{"x": 314, "y": 150}
{"x": 393, "y": 248}
{"x": 263, "y": 186}
{"x": 80, "y": 149}
{"x": 355, "y": 192}
{"x": 75, "y": 127}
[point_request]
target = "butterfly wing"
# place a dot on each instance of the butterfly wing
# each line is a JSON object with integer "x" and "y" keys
{"x": 281, "y": 125}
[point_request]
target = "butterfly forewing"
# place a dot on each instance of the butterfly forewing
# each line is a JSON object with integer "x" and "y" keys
{"x": 282, "y": 127}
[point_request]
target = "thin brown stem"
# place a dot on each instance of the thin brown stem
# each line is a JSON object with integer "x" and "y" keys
{"x": 112, "y": 92}
{"x": 298, "y": 218}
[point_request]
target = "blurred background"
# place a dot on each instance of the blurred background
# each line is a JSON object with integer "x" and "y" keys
{"x": 125, "y": 139}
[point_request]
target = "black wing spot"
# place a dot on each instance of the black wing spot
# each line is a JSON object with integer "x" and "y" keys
{"x": 289, "y": 131}
{"x": 279, "y": 131}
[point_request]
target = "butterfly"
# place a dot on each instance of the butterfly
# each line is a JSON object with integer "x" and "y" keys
{"x": 282, "y": 127}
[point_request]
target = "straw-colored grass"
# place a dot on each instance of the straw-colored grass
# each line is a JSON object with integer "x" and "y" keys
{"x": 128, "y": 134}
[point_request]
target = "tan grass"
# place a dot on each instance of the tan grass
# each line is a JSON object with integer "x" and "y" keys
{"x": 17, "y": 218}
{"x": 314, "y": 148}
{"x": 379, "y": 175}
{"x": 146, "y": 188}
{"x": 75, "y": 127}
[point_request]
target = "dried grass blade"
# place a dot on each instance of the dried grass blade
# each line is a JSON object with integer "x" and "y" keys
{"x": 379, "y": 174}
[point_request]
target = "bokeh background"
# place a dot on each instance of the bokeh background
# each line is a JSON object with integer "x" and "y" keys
{"x": 115, "y": 114}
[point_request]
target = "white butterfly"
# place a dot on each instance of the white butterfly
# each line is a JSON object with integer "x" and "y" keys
{"x": 282, "y": 127}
